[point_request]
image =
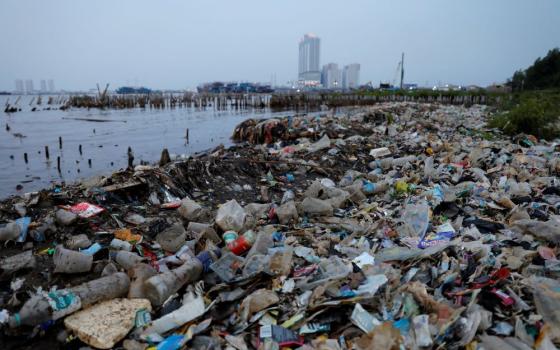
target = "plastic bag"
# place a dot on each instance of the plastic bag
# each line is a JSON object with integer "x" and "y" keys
{"x": 231, "y": 216}
{"x": 416, "y": 218}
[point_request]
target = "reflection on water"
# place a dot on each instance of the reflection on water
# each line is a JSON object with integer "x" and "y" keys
{"x": 146, "y": 131}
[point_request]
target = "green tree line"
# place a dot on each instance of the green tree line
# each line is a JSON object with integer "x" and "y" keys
{"x": 543, "y": 74}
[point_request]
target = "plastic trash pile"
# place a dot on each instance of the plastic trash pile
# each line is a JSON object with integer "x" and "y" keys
{"x": 398, "y": 226}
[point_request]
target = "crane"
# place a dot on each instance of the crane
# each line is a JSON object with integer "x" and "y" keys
{"x": 400, "y": 69}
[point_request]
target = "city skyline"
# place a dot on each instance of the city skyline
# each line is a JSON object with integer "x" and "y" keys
{"x": 309, "y": 58}
{"x": 448, "y": 42}
{"x": 27, "y": 86}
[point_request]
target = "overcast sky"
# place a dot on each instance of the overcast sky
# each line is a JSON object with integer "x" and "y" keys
{"x": 181, "y": 43}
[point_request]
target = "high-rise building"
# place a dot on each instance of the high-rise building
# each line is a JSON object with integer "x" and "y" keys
{"x": 51, "y": 85}
{"x": 351, "y": 76}
{"x": 43, "y": 85}
{"x": 309, "y": 50}
{"x": 331, "y": 77}
{"x": 19, "y": 86}
{"x": 29, "y": 86}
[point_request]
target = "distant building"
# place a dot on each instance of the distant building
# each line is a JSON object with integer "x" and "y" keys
{"x": 331, "y": 76}
{"x": 19, "y": 86}
{"x": 503, "y": 88}
{"x": 29, "y": 86}
{"x": 43, "y": 85}
{"x": 309, "y": 58}
{"x": 351, "y": 76}
{"x": 51, "y": 85}
{"x": 233, "y": 87}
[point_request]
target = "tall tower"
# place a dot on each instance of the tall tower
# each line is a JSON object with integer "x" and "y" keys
{"x": 29, "y": 86}
{"x": 19, "y": 86}
{"x": 351, "y": 76}
{"x": 309, "y": 58}
{"x": 51, "y": 85}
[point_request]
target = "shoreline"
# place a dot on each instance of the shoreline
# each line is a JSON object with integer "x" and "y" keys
{"x": 321, "y": 195}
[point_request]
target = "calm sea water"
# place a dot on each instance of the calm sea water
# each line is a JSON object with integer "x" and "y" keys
{"x": 147, "y": 132}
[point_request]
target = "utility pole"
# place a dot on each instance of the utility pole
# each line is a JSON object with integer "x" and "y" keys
{"x": 402, "y": 70}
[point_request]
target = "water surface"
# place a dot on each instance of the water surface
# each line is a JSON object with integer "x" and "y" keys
{"x": 146, "y": 131}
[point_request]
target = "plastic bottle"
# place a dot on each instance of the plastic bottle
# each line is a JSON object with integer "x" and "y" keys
{"x": 126, "y": 259}
{"x": 10, "y": 231}
{"x": 118, "y": 244}
{"x": 387, "y": 163}
{"x": 242, "y": 243}
{"x": 139, "y": 274}
{"x": 53, "y": 305}
{"x": 208, "y": 257}
{"x": 373, "y": 188}
{"x": 229, "y": 236}
{"x": 80, "y": 241}
{"x": 160, "y": 287}
{"x": 71, "y": 261}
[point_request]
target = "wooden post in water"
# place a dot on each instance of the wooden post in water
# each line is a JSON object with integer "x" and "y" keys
{"x": 25, "y": 158}
{"x": 58, "y": 164}
{"x": 130, "y": 157}
{"x": 60, "y": 142}
{"x": 187, "y": 135}
{"x": 89, "y": 162}
{"x": 47, "y": 152}
{"x": 80, "y": 149}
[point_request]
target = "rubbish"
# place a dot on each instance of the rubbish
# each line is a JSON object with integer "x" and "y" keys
{"x": 371, "y": 284}
{"x": 208, "y": 257}
{"x": 546, "y": 293}
{"x": 126, "y": 259}
{"x": 421, "y": 326}
{"x": 9, "y": 231}
{"x": 363, "y": 319}
{"x": 416, "y": 218}
{"x": 190, "y": 209}
{"x": 229, "y": 236}
{"x": 227, "y": 266}
{"x": 106, "y": 323}
{"x": 173, "y": 238}
{"x": 15, "y": 263}
{"x": 385, "y": 336}
{"x": 242, "y": 243}
{"x": 138, "y": 275}
{"x": 444, "y": 233}
{"x": 91, "y": 250}
{"x": 172, "y": 342}
{"x": 44, "y": 307}
{"x": 287, "y": 213}
{"x": 284, "y": 337}
{"x": 70, "y": 261}
{"x": 23, "y": 224}
{"x": 117, "y": 244}
{"x": 127, "y": 235}
{"x": 231, "y": 216}
{"x": 134, "y": 219}
{"x": 316, "y": 207}
{"x": 65, "y": 217}
{"x": 86, "y": 210}
{"x": 549, "y": 230}
{"x": 159, "y": 287}
{"x": 323, "y": 143}
{"x": 380, "y": 152}
{"x": 398, "y": 225}
{"x": 77, "y": 242}
{"x": 193, "y": 307}
{"x": 257, "y": 301}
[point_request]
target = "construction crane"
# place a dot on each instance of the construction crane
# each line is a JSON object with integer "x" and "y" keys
{"x": 400, "y": 69}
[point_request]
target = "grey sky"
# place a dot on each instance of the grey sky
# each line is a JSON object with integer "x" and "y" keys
{"x": 180, "y": 43}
